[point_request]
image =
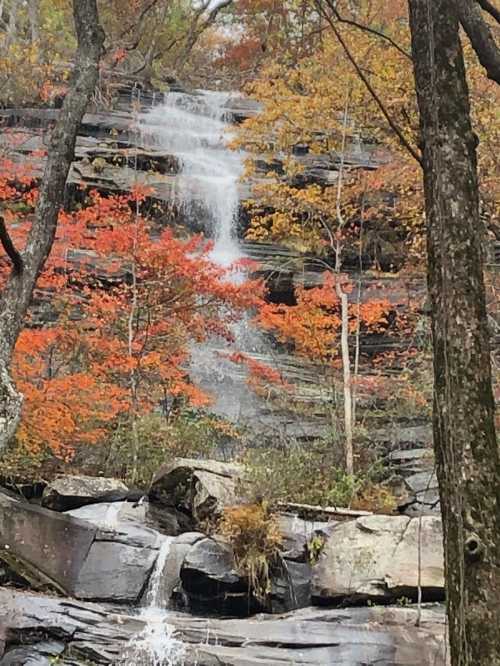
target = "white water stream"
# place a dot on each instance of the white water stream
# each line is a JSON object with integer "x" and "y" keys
{"x": 156, "y": 645}
{"x": 196, "y": 130}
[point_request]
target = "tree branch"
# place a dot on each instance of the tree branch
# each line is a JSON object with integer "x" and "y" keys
{"x": 480, "y": 35}
{"x": 10, "y": 250}
{"x": 366, "y": 28}
{"x": 403, "y": 140}
{"x": 490, "y": 9}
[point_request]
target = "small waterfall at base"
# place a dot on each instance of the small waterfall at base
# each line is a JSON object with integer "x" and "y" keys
{"x": 195, "y": 129}
{"x": 156, "y": 644}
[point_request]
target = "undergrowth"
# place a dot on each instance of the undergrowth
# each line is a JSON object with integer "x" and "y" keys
{"x": 254, "y": 535}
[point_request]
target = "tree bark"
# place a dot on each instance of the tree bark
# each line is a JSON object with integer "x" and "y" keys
{"x": 480, "y": 35}
{"x": 16, "y": 296}
{"x": 463, "y": 422}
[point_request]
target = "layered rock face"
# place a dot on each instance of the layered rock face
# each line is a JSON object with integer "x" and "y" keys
{"x": 80, "y": 633}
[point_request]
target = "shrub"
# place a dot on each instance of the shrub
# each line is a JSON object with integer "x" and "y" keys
{"x": 189, "y": 434}
{"x": 255, "y": 538}
{"x": 314, "y": 476}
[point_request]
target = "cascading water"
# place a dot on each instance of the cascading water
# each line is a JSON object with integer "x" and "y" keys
{"x": 196, "y": 130}
{"x": 156, "y": 644}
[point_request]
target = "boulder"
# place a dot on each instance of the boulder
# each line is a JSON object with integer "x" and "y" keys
{"x": 84, "y": 559}
{"x": 72, "y": 492}
{"x": 376, "y": 557}
{"x": 44, "y": 547}
{"x": 210, "y": 580}
{"x": 201, "y": 488}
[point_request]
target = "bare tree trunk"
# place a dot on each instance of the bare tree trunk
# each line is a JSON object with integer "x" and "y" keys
{"x": 464, "y": 432}
{"x": 344, "y": 309}
{"x": 12, "y": 24}
{"x": 16, "y": 296}
{"x": 34, "y": 16}
{"x": 346, "y": 368}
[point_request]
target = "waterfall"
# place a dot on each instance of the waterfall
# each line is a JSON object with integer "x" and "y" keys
{"x": 154, "y": 595}
{"x": 156, "y": 644}
{"x": 196, "y": 130}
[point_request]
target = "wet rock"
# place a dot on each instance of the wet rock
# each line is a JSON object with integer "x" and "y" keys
{"x": 179, "y": 548}
{"x": 212, "y": 583}
{"x": 376, "y": 557}
{"x": 201, "y": 488}
{"x": 42, "y": 654}
{"x": 71, "y": 492}
{"x": 347, "y": 636}
{"x": 115, "y": 571}
{"x": 290, "y": 587}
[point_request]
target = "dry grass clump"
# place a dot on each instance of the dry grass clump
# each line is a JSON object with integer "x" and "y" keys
{"x": 254, "y": 535}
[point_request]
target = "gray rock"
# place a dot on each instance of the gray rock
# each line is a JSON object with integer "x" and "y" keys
{"x": 74, "y": 556}
{"x": 297, "y": 534}
{"x": 211, "y": 583}
{"x": 210, "y": 580}
{"x": 179, "y": 548}
{"x": 207, "y": 562}
{"x": 376, "y": 557}
{"x": 316, "y": 637}
{"x": 119, "y": 521}
{"x": 43, "y": 546}
{"x": 202, "y": 488}
{"x": 290, "y": 587}
{"x": 114, "y": 572}
{"x": 71, "y": 492}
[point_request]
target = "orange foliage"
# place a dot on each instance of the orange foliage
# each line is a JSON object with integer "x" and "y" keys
{"x": 313, "y": 324}
{"x": 128, "y": 304}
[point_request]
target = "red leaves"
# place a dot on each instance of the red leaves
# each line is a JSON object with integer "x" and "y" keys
{"x": 313, "y": 325}
{"x": 112, "y": 332}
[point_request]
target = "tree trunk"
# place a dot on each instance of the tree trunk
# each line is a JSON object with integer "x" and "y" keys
{"x": 12, "y": 25}
{"x": 463, "y": 422}
{"x": 34, "y": 16}
{"x": 347, "y": 380}
{"x": 16, "y": 296}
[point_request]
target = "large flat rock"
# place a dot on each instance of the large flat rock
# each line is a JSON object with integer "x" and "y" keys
{"x": 95, "y": 634}
{"x": 49, "y": 547}
{"x": 82, "y": 558}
